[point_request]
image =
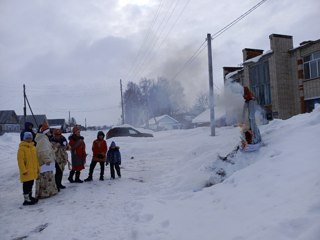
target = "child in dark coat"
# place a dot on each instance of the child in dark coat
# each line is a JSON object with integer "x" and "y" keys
{"x": 114, "y": 158}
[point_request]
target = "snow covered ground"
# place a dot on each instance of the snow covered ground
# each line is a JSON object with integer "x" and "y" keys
{"x": 273, "y": 194}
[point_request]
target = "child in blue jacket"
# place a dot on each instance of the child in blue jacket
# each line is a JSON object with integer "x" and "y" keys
{"x": 114, "y": 158}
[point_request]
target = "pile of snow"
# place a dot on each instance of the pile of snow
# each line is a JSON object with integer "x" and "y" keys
{"x": 274, "y": 194}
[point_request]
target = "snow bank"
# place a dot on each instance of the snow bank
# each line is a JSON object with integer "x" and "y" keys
{"x": 270, "y": 194}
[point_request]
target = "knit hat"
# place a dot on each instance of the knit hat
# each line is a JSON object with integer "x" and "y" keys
{"x": 27, "y": 135}
{"x": 75, "y": 129}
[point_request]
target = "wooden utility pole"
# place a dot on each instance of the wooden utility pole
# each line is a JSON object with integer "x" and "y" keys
{"x": 211, "y": 96}
{"x": 25, "y": 104}
{"x": 121, "y": 101}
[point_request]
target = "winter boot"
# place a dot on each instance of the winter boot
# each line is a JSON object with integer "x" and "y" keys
{"x": 35, "y": 200}
{"x": 70, "y": 178}
{"x": 78, "y": 180}
{"x": 88, "y": 179}
{"x": 27, "y": 200}
{"x": 101, "y": 178}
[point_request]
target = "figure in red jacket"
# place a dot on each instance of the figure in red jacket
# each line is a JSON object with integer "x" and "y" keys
{"x": 99, "y": 149}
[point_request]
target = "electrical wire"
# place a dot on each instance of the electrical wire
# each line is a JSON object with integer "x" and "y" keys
{"x": 215, "y": 35}
{"x": 146, "y": 38}
{"x": 160, "y": 29}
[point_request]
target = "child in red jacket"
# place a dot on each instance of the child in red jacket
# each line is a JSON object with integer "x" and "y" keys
{"x": 99, "y": 149}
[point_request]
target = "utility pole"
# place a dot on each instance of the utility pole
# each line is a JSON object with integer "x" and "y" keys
{"x": 25, "y": 104}
{"x": 211, "y": 96}
{"x": 121, "y": 101}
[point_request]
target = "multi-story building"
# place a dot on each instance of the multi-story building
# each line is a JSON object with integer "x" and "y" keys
{"x": 285, "y": 80}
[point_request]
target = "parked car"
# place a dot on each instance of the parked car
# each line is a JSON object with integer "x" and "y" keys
{"x": 126, "y": 132}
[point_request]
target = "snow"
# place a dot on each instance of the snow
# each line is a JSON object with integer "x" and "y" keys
{"x": 257, "y": 58}
{"x": 273, "y": 193}
{"x": 204, "y": 117}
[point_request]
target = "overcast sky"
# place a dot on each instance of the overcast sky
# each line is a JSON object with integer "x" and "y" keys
{"x": 71, "y": 54}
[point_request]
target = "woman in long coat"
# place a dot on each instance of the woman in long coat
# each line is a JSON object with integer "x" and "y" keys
{"x": 45, "y": 185}
{"x": 78, "y": 154}
{"x": 61, "y": 145}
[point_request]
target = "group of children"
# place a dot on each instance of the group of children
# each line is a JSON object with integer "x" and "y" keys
{"x": 39, "y": 155}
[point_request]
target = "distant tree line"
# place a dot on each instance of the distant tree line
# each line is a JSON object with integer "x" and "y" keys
{"x": 150, "y": 98}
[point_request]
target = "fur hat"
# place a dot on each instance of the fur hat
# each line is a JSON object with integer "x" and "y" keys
{"x": 75, "y": 129}
{"x": 45, "y": 128}
{"x": 27, "y": 135}
{"x": 56, "y": 132}
{"x": 100, "y": 133}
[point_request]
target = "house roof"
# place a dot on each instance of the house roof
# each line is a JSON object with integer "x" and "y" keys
{"x": 204, "y": 117}
{"x": 8, "y": 117}
{"x": 257, "y": 58}
{"x": 56, "y": 122}
{"x": 36, "y": 120}
{"x": 164, "y": 118}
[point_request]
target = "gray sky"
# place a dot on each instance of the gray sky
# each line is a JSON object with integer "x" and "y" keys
{"x": 72, "y": 54}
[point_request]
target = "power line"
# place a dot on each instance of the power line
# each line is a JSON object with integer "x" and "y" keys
{"x": 146, "y": 38}
{"x": 215, "y": 35}
{"x": 164, "y": 21}
{"x": 173, "y": 25}
{"x": 191, "y": 59}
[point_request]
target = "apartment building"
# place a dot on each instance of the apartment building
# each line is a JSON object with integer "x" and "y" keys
{"x": 284, "y": 79}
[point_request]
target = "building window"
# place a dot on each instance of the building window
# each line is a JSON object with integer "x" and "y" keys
{"x": 260, "y": 82}
{"x": 310, "y": 104}
{"x": 312, "y": 65}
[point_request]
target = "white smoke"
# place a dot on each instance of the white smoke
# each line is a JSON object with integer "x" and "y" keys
{"x": 233, "y": 102}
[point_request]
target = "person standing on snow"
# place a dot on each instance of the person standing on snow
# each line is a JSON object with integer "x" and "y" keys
{"x": 28, "y": 126}
{"x": 61, "y": 145}
{"x": 45, "y": 185}
{"x": 114, "y": 158}
{"x": 28, "y": 167}
{"x": 78, "y": 155}
{"x": 99, "y": 150}
{"x": 250, "y": 105}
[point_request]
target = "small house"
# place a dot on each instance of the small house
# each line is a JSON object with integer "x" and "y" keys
{"x": 58, "y": 123}
{"x": 9, "y": 121}
{"x": 36, "y": 120}
{"x": 164, "y": 122}
{"x": 203, "y": 119}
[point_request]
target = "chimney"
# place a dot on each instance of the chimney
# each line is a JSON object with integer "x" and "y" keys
{"x": 249, "y": 53}
{"x": 280, "y": 43}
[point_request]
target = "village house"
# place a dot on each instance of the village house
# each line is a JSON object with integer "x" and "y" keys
{"x": 36, "y": 120}
{"x": 58, "y": 123}
{"x": 164, "y": 122}
{"x": 9, "y": 121}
